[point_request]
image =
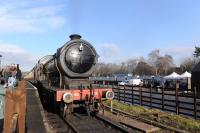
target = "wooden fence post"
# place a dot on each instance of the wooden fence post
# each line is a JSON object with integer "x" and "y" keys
{"x": 124, "y": 93}
{"x": 151, "y": 95}
{"x": 132, "y": 96}
{"x": 177, "y": 99}
{"x": 195, "y": 102}
{"x": 118, "y": 93}
{"x": 15, "y": 109}
{"x": 162, "y": 98}
{"x": 140, "y": 93}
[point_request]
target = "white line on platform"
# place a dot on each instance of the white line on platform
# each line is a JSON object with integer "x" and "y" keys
{"x": 32, "y": 86}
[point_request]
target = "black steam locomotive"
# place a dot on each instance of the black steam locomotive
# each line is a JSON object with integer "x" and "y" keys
{"x": 63, "y": 78}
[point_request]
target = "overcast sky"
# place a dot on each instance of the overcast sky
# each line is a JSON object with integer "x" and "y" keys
{"x": 118, "y": 29}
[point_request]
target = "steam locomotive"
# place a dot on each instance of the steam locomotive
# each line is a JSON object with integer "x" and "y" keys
{"x": 63, "y": 78}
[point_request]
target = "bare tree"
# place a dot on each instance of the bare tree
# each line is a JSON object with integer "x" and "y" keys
{"x": 163, "y": 64}
{"x": 156, "y": 64}
{"x": 144, "y": 68}
{"x": 103, "y": 69}
{"x": 131, "y": 64}
{"x": 123, "y": 67}
{"x": 153, "y": 58}
{"x": 187, "y": 64}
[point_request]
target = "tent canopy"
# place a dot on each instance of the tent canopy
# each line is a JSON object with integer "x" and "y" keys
{"x": 173, "y": 76}
{"x": 186, "y": 75}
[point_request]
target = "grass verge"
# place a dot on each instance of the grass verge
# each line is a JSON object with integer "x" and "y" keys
{"x": 170, "y": 119}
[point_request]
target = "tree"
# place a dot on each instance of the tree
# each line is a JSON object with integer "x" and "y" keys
{"x": 197, "y": 52}
{"x": 153, "y": 58}
{"x": 131, "y": 65}
{"x": 123, "y": 68}
{"x": 156, "y": 64}
{"x": 144, "y": 68}
{"x": 161, "y": 64}
{"x": 187, "y": 65}
{"x": 103, "y": 69}
{"x": 164, "y": 63}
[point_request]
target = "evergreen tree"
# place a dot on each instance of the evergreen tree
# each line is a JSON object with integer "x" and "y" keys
{"x": 197, "y": 52}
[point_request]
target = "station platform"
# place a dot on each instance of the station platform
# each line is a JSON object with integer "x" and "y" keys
{"x": 34, "y": 118}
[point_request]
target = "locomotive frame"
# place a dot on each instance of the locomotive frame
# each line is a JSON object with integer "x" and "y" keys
{"x": 63, "y": 78}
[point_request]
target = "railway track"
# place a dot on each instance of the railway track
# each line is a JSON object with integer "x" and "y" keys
{"x": 82, "y": 123}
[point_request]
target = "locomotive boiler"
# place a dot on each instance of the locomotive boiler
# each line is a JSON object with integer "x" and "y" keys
{"x": 74, "y": 60}
{"x": 64, "y": 77}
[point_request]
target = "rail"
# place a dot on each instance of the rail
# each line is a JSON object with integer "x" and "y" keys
{"x": 78, "y": 123}
{"x": 71, "y": 127}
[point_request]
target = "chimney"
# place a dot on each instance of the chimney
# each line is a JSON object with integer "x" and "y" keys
{"x": 74, "y": 36}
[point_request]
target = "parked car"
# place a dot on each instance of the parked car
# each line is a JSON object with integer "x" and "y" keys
{"x": 135, "y": 82}
{"x": 126, "y": 82}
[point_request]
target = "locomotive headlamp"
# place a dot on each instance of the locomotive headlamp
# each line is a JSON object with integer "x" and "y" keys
{"x": 108, "y": 95}
{"x": 68, "y": 97}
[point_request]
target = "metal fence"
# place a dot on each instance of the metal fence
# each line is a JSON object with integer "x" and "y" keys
{"x": 172, "y": 101}
{"x": 176, "y": 101}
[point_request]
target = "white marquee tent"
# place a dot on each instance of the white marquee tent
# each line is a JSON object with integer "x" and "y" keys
{"x": 186, "y": 75}
{"x": 173, "y": 76}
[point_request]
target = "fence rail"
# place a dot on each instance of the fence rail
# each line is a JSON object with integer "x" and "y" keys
{"x": 173, "y": 101}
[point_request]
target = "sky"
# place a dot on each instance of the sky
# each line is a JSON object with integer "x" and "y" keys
{"x": 119, "y": 30}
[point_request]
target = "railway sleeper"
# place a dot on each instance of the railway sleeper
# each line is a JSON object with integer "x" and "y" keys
{"x": 56, "y": 124}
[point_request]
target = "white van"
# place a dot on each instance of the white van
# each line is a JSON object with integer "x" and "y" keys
{"x": 135, "y": 82}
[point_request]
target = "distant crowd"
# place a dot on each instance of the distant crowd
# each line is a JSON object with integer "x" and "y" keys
{"x": 10, "y": 75}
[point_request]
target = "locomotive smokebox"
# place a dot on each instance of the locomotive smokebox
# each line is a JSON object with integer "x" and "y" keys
{"x": 75, "y": 59}
{"x": 74, "y": 36}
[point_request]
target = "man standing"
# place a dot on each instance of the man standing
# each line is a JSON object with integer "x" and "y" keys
{"x": 18, "y": 74}
{"x": 12, "y": 82}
